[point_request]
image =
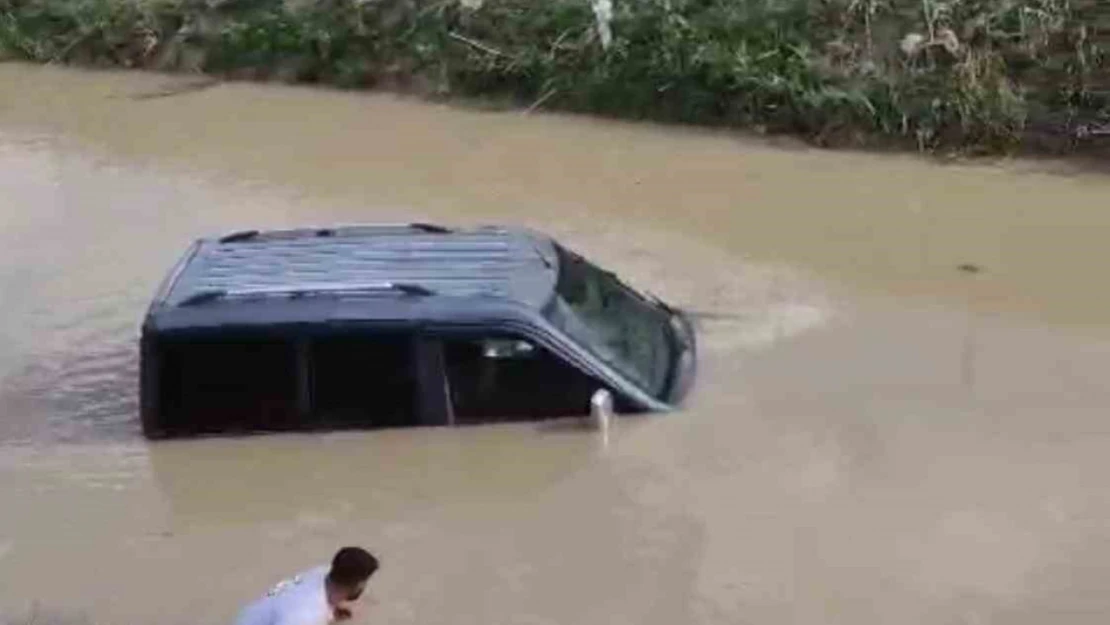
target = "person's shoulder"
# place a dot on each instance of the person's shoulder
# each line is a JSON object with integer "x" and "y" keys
{"x": 299, "y": 618}
{"x": 300, "y": 580}
{"x": 304, "y": 601}
{"x": 303, "y": 614}
{"x": 257, "y": 613}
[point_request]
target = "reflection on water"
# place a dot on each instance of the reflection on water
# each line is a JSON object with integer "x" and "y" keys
{"x": 844, "y": 458}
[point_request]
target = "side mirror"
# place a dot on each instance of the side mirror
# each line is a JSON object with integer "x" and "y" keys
{"x": 601, "y": 408}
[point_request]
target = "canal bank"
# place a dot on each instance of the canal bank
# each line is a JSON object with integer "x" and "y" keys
{"x": 983, "y": 77}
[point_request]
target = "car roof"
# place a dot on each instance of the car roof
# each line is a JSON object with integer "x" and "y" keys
{"x": 486, "y": 264}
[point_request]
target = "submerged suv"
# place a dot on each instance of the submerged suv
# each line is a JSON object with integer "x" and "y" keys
{"x": 399, "y": 325}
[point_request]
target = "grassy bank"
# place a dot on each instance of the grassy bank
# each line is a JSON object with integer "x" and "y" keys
{"x": 978, "y": 75}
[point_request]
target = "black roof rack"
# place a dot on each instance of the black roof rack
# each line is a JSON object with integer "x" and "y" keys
{"x": 242, "y": 235}
{"x": 498, "y": 263}
{"x": 430, "y": 228}
{"x": 302, "y": 290}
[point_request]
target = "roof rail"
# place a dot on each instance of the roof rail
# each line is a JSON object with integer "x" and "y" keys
{"x": 203, "y": 297}
{"x": 302, "y": 290}
{"x": 431, "y": 228}
{"x": 247, "y": 235}
{"x": 242, "y": 235}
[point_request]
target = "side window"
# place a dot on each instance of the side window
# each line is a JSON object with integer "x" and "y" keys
{"x": 276, "y": 383}
{"x": 498, "y": 378}
{"x": 230, "y": 383}
{"x": 364, "y": 380}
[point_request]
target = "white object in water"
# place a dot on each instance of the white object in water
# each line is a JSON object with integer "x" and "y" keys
{"x": 601, "y": 409}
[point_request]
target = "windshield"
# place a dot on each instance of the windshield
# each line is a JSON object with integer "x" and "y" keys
{"x": 622, "y": 328}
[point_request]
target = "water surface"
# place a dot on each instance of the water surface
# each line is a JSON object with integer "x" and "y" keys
{"x": 876, "y": 436}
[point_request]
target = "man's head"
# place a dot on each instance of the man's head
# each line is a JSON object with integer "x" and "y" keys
{"x": 351, "y": 568}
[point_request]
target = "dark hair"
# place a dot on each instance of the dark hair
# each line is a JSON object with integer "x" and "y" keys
{"x": 352, "y": 566}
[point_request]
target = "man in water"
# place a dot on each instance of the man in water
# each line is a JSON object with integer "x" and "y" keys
{"x": 318, "y": 596}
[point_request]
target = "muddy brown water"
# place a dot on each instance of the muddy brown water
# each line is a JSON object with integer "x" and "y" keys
{"x": 875, "y": 437}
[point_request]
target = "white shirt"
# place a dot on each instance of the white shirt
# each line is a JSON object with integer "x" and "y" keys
{"x": 300, "y": 600}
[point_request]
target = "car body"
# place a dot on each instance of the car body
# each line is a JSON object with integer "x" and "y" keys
{"x": 399, "y": 325}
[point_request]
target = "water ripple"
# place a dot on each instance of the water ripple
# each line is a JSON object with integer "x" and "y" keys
{"x": 85, "y": 393}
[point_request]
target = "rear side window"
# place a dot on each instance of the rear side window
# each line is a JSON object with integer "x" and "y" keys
{"x": 507, "y": 379}
{"x": 365, "y": 381}
{"x": 227, "y": 384}
{"x": 279, "y": 383}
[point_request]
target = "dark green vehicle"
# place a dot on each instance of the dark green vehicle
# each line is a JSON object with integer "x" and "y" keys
{"x": 400, "y": 325}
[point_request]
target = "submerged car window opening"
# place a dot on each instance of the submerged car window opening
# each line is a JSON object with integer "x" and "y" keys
{"x": 269, "y": 381}
{"x": 506, "y": 379}
{"x": 630, "y": 333}
{"x": 367, "y": 379}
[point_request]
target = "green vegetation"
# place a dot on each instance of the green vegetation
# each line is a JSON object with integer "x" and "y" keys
{"x": 976, "y": 75}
